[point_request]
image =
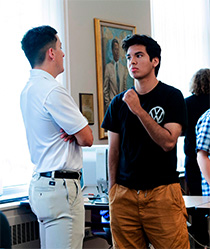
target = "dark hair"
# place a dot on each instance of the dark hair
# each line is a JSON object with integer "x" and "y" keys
{"x": 36, "y": 42}
{"x": 200, "y": 82}
{"x": 113, "y": 42}
{"x": 152, "y": 47}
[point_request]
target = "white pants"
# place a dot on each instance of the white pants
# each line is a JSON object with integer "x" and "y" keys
{"x": 59, "y": 207}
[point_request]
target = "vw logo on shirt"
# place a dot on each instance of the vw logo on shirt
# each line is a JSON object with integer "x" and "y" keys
{"x": 157, "y": 113}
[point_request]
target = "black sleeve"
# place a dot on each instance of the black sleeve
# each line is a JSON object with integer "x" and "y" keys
{"x": 176, "y": 109}
{"x": 111, "y": 119}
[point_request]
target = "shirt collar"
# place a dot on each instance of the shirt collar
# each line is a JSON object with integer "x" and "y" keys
{"x": 40, "y": 72}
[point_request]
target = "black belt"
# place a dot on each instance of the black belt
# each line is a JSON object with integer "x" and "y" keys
{"x": 62, "y": 174}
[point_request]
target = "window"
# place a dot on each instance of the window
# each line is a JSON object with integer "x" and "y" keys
{"x": 182, "y": 28}
{"x": 16, "y": 18}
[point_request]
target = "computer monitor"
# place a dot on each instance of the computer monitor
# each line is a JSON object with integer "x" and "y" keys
{"x": 95, "y": 169}
{"x": 102, "y": 169}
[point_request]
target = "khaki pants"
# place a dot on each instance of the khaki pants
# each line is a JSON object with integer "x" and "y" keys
{"x": 59, "y": 207}
{"x": 160, "y": 214}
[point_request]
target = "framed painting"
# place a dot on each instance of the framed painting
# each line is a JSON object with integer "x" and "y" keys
{"x": 86, "y": 106}
{"x": 112, "y": 73}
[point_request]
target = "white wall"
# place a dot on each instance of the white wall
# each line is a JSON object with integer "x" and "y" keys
{"x": 82, "y": 41}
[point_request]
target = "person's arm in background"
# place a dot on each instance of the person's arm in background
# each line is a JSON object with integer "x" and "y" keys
{"x": 83, "y": 137}
{"x": 114, "y": 151}
{"x": 203, "y": 144}
{"x": 204, "y": 164}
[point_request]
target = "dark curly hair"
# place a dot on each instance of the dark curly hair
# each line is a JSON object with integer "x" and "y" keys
{"x": 200, "y": 83}
{"x": 152, "y": 47}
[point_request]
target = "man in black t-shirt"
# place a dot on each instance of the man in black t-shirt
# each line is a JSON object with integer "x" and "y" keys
{"x": 143, "y": 126}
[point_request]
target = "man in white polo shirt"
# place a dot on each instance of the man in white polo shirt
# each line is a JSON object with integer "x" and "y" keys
{"x": 54, "y": 194}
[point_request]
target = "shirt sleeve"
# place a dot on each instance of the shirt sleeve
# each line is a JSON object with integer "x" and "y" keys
{"x": 176, "y": 109}
{"x": 65, "y": 112}
{"x": 203, "y": 133}
{"x": 111, "y": 119}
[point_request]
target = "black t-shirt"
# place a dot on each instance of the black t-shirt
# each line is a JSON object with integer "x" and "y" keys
{"x": 196, "y": 106}
{"x": 143, "y": 164}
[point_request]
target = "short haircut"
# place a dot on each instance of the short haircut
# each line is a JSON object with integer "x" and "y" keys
{"x": 152, "y": 47}
{"x": 36, "y": 42}
{"x": 200, "y": 83}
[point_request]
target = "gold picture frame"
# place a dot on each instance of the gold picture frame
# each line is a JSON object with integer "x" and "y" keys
{"x": 86, "y": 106}
{"x": 106, "y": 33}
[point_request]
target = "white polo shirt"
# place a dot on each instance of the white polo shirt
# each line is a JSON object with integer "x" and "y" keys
{"x": 46, "y": 107}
